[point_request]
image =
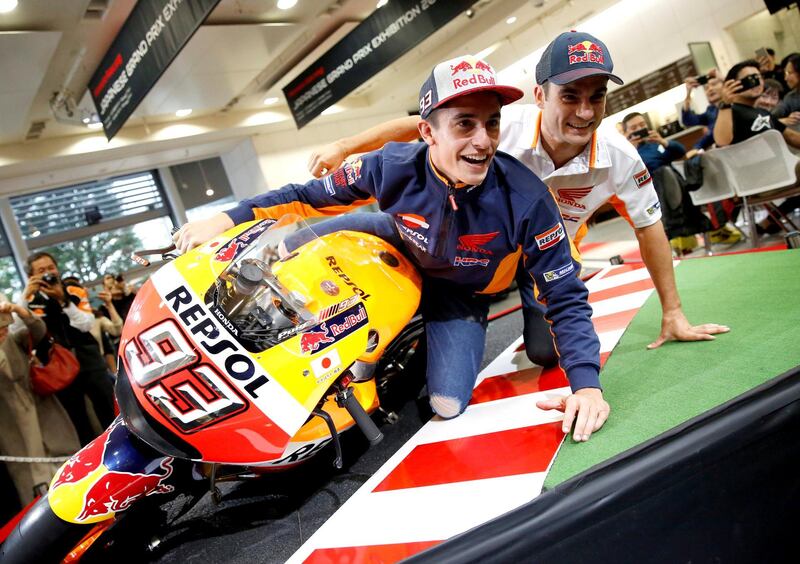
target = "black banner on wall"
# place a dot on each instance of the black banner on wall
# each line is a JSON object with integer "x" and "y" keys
{"x": 149, "y": 40}
{"x": 379, "y": 40}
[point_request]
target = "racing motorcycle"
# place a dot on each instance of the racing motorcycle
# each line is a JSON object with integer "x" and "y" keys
{"x": 244, "y": 356}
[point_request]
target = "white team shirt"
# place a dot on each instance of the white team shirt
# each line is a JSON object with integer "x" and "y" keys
{"x": 608, "y": 170}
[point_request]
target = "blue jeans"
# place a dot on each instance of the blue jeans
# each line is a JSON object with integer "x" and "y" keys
{"x": 455, "y": 321}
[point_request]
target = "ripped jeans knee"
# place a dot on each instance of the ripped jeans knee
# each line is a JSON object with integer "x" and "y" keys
{"x": 446, "y": 407}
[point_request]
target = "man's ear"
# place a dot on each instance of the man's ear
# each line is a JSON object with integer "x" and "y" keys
{"x": 426, "y": 131}
{"x": 538, "y": 96}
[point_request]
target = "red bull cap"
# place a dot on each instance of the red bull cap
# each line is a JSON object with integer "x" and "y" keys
{"x": 574, "y": 55}
{"x": 458, "y": 77}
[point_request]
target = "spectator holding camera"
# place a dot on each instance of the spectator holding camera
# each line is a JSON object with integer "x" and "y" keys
{"x": 68, "y": 316}
{"x": 769, "y": 69}
{"x": 712, "y": 87}
{"x": 652, "y": 147}
{"x": 31, "y": 425}
{"x": 738, "y": 117}
{"x": 122, "y": 294}
{"x": 788, "y": 109}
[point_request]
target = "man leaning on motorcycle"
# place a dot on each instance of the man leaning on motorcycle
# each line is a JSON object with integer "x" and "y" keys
{"x": 465, "y": 215}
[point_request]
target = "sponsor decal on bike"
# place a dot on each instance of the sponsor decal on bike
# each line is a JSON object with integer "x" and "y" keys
{"x": 329, "y": 287}
{"x": 550, "y": 237}
{"x": 341, "y": 274}
{"x": 299, "y": 451}
{"x": 310, "y": 341}
{"x": 336, "y": 327}
{"x": 85, "y": 461}
{"x": 239, "y": 243}
{"x": 116, "y": 491}
{"x": 642, "y": 178}
{"x": 470, "y": 261}
{"x": 560, "y": 272}
{"x": 330, "y": 311}
{"x": 572, "y": 218}
{"x": 474, "y": 243}
{"x": 205, "y": 331}
{"x": 326, "y": 366}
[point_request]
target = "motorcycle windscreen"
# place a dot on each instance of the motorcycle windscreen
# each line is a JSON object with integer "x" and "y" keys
{"x": 213, "y": 347}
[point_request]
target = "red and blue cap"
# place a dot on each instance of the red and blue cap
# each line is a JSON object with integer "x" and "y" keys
{"x": 459, "y": 77}
{"x": 574, "y": 55}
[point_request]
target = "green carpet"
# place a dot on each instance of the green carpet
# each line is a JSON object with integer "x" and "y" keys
{"x": 756, "y": 294}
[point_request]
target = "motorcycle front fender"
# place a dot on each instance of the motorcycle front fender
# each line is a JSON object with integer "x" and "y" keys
{"x": 107, "y": 476}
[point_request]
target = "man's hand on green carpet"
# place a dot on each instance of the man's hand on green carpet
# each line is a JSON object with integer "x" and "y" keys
{"x": 586, "y": 408}
{"x": 675, "y": 327}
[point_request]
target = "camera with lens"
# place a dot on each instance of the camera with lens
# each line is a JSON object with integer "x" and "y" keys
{"x": 750, "y": 81}
{"x": 50, "y": 278}
{"x": 639, "y": 134}
{"x": 703, "y": 79}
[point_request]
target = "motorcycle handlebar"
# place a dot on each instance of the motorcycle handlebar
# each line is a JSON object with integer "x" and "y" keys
{"x": 362, "y": 419}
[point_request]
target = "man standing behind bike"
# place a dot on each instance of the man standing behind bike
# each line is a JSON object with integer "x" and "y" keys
{"x": 465, "y": 216}
{"x": 557, "y": 138}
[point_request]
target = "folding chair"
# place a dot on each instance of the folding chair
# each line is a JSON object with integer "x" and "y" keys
{"x": 760, "y": 169}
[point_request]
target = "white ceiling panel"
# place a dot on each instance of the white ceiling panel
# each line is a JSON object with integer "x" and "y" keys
{"x": 24, "y": 58}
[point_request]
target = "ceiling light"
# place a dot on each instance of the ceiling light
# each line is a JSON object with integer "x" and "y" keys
{"x": 381, "y": 3}
{"x": 332, "y": 110}
{"x": 183, "y": 113}
{"x": 488, "y": 51}
{"x": 511, "y": 20}
{"x": 95, "y": 125}
{"x": 286, "y": 4}
{"x": 210, "y": 192}
{"x": 7, "y": 5}
{"x": 271, "y": 100}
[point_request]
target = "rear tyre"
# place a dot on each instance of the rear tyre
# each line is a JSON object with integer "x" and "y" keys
{"x": 41, "y": 536}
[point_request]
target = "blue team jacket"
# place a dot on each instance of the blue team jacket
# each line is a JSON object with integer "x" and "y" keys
{"x": 472, "y": 236}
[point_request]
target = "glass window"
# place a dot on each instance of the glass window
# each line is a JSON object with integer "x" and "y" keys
{"x": 91, "y": 257}
{"x": 65, "y": 209}
{"x": 10, "y": 282}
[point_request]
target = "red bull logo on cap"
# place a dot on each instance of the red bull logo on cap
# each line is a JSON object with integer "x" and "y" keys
{"x": 476, "y": 73}
{"x": 585, "y": 52}
{"x": 463, "y": 66}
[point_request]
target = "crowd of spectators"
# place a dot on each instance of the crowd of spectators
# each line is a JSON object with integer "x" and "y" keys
{"x": 56, "y": 309}
{"x": 755, "y": 95}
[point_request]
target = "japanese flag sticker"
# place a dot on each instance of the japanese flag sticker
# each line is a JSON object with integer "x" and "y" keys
{"x": 326, "y": 363}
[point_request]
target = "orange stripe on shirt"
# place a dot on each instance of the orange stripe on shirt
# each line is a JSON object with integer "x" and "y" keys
{"x": 593, "y": 151}
{"x": 504, "y": 274}
{"x": 619, "y": 205}
{"x": 537, "y": 131}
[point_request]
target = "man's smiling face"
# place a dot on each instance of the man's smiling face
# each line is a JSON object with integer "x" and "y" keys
{"x": 463, "y": 136}
{"x": 572, "y": 112}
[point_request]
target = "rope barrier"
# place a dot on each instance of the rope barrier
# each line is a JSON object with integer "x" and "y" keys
{"x": 33, "y": 459}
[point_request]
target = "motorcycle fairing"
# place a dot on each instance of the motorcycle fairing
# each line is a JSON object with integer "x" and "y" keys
{"x": 250, "y": 404}
{"x": 107, "y": 476}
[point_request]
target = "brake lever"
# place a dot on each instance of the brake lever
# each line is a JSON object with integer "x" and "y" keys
{"x": 167, "y": 253}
